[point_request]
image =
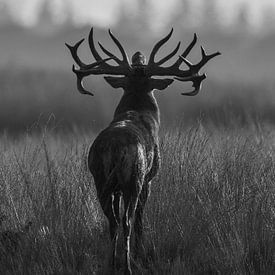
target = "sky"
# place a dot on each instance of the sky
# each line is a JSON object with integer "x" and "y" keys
{"x": 257, "y": 16}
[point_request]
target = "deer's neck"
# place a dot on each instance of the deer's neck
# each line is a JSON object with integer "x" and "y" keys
{"x": 145, "y": 105}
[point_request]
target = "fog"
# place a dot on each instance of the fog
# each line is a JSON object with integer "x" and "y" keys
{"x": 256, "y": 16}
{"x": 35, "y": 67}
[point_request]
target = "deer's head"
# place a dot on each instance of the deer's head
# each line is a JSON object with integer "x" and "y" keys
{"x": 137, "y": 76}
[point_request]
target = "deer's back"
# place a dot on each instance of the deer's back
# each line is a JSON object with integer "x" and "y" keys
{"x": 126, "y": 149}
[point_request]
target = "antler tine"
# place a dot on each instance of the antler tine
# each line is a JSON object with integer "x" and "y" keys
{"x": 190, "y": 46}
{"x": 169, "y": 56}
{"x": 119, "y": 62}
{"x": 123, "y": 65}
{"x": 197, "y": 83}
{"x": 124, "y": 54}
{"x": 187, "y": 51}
{"x": 206, "y": 57}
{"x": 73, "y": 51}
{"x": 158, "y": 46}
{"x": 194, "y": 71}
{"x": 80, "y": 74}
{"x": 79, "y": 82}
{"x": 82, "y": 65}
{"x": 191, "y": 74}
{"x": 92, "y": 46}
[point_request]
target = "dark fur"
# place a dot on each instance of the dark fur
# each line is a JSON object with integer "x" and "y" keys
{"x": 124, "y": 158}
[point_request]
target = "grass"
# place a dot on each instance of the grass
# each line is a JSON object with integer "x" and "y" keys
{"x": 211, "y": 209}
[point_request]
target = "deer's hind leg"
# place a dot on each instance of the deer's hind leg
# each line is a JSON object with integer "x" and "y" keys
{"x": 116, "y": 205}
{"x": 130, "y": 198}
{"x": 145, "y": 192}
{"x": 138, "y": 224}
{"x": 110, "y": 204}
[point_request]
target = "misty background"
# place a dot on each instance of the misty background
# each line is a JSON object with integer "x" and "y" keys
{"x": 36, "y": 81}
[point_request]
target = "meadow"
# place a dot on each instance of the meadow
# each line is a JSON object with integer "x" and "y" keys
{"x": 211, "y": 208}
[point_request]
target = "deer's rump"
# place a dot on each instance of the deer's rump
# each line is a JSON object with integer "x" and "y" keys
{"x": 119, "y": 159}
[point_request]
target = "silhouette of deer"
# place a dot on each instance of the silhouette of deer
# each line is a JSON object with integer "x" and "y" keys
{"x": 125, "y": 157}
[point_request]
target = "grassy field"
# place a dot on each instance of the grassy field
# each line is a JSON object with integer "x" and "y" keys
{"x": 211, "y": 209}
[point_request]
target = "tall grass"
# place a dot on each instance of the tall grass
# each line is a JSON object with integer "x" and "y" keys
{"x": 211, "y": 208}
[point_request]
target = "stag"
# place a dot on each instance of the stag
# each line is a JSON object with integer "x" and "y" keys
{"x": 125, "y": 156}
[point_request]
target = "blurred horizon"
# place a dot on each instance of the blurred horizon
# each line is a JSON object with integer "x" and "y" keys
{"x": 253, "y": 16}
{"x": 35, "y": 65}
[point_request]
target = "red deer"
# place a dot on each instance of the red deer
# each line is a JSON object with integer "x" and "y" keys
{"x": 124, "y": 158}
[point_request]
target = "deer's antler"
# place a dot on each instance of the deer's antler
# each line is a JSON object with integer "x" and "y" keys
{"x": 192, "y": 74}
{"x": 100, "y": 66}
{"x": 153, "y": 68}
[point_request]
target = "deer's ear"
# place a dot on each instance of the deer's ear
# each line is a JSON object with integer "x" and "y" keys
{"x": 160, "y": 84}
{"x": 116, "y": 82}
